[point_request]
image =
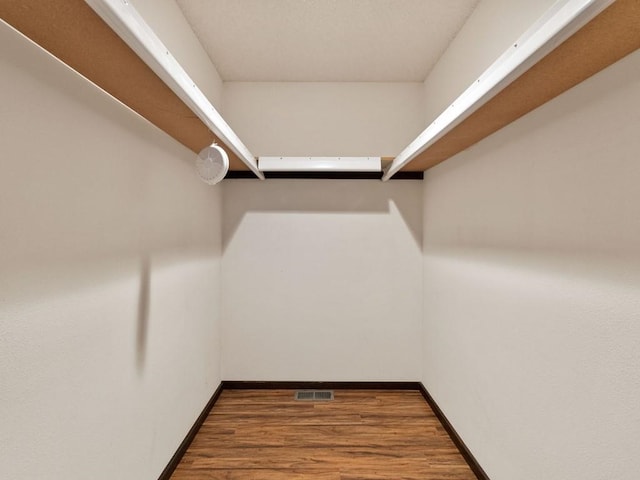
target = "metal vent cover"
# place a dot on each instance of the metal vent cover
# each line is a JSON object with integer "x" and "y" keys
{"x": 314, "y": 395}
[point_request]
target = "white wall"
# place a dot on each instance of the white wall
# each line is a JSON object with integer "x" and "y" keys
{"x": 109, "y": 280}
{"x": 325, "y": 119}
{"x": 321, "y": 280}
{"x": 492, "y": 27}
{"x": 532, "y": 287}
{"x": 168, "y": 22}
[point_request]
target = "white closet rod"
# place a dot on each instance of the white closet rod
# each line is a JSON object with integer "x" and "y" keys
{"x": 561, "y": 21}
{"x": 125, "y": 20}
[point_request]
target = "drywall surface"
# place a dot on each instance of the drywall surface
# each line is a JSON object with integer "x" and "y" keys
{"x": 492, "y": 27}
{"x": 532, "y": 287}
{"x": 168, "y": 22}
{"x": 109, "y": 280}
{"x": 325, "y": 119}
{"x": 321, "y": 280}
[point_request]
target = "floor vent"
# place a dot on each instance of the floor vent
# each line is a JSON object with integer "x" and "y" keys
{"x": 314, "y": 395}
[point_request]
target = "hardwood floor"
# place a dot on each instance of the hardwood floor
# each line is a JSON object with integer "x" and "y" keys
{"x": 362, "y": 434}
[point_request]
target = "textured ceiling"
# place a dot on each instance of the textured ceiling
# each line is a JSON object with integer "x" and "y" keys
{"x": 325, "y": 40}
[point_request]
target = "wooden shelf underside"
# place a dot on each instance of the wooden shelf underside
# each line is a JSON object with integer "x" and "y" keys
{"x": 71, "y": 31}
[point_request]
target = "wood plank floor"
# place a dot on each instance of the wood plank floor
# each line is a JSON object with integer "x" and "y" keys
{"x": 362, "y": 434}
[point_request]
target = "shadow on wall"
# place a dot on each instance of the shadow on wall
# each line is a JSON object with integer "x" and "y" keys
{"x": 322, "y": 197}
{"x": 600, "y": 270}
{"x": 143, "y": 312}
